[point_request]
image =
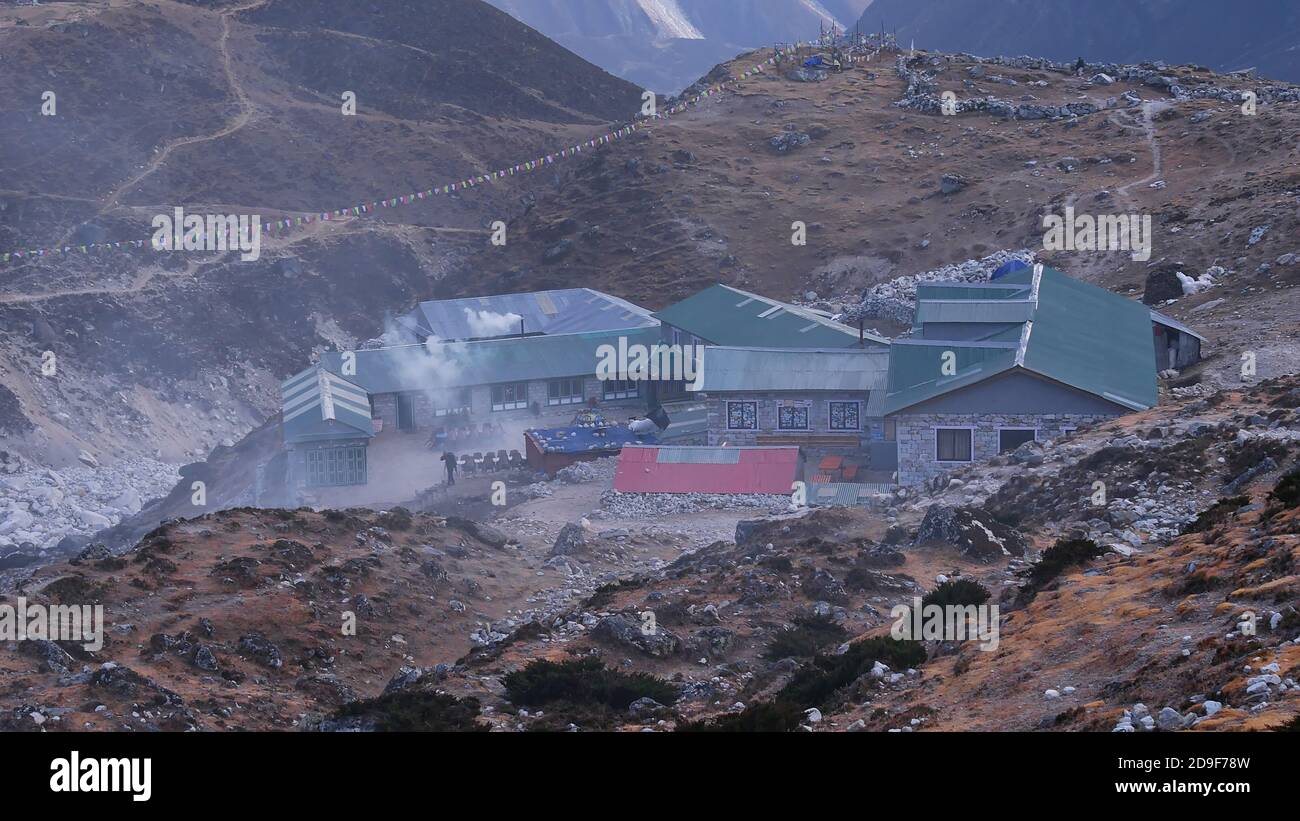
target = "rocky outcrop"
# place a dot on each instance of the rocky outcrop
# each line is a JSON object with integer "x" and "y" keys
{"x": 973, "y": 532}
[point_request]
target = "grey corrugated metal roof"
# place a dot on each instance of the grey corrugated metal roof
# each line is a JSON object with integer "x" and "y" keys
{"x": 844, "y": 494}
{"x": 698, "y": 456}
{"x": 794, "y": 369}
{"x": 729, "y": 316}
{"x": 462, "y": 364}
{"x": 1169, "y": 321}
{"x": 570, "y": 310}
{"x": 317, "y": 404}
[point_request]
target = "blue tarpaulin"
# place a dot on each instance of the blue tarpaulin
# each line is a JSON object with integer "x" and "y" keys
{"x": 586, "y": 439}
{"x": 1008, "y": 267}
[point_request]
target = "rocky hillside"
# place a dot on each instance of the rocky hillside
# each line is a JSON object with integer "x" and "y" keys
{"x": 1130, "y": 616}
{"x": 1174, "y": 605}
{"x": 1207, "y": 32}
{"x": 174, "y": 357}
{"x": 224, "y": 107}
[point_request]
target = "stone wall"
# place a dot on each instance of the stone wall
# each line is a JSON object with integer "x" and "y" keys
{"x": 481, "y": 406}
{"x": 767, "y": 403}
{"x": 916, "y": 437}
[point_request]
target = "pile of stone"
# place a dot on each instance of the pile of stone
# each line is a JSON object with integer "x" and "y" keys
{"x": 582, "y": 472}
{"x": 896, "y": 299}
{"x": 654, "y": 505}
{"x": 922, "y": 91}
{"x": 40, "y": 506}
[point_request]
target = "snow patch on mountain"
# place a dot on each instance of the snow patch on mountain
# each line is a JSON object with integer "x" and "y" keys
{"x": 670, "y": 20}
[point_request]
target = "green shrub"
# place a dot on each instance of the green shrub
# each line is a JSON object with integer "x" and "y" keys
{"x": 405, "y": 711}
{"x": 764, "y": 717}
{"x": 1066, "y": 553}
{"x": 583, "y": 682}
{"x": 806, "y": 636}
{"x": 1058, "y": 558}
{"x": 1216, "y": 514}
{"x": 814, "y": 685}
{"x": 1286, "y": 493}
{"x": 957, "y": 592}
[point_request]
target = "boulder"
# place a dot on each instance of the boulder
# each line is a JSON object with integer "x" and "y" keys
{"x": 972, "y": 531}
{"x": 628, "y": 632}
{"x": 571, "y": 540}
{"x": 486, "y": 534}
{"x": 952, "y": 183}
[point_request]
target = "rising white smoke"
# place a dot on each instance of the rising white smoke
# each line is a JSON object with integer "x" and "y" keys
{"x": 490, "y": 323}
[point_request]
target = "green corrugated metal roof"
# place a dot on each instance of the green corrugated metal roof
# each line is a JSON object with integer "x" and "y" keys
{"x": 916, "y": 368}
{"x": 971, "y": 290}
{"x": 729, "y": 316}
{"x": 970, "y": 310}
{"x": 1093, "y": 340}
{"x": 1080, "y": 335}
{"x": 317, "y": 404}
{"x": 462, "y": 364}
{"x": 795, "y": 369}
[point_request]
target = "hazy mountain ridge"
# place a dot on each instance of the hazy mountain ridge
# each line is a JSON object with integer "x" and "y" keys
{"x": 665, "y": 45}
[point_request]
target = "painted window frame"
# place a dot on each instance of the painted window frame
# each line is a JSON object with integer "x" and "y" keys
{"x": 515, "y": 403}
{"x": 727, "y": 411}
{"x": 970, "y": 433}
{"x": 623, "y": 389}
{"x": 807, "y": 417}
{"x": 830, "y": 406}
{"x": 463, "y": 403}
{"x": 566, "y": 395}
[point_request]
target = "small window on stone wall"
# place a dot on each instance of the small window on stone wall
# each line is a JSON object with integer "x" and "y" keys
{"x": 952, "y": 444}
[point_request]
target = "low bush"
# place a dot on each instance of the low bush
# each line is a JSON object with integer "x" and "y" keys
{"x": 816, "y": 684}
{"x": 583, "y": 682}
{"x": 764, "y": 717}
{"x": 1216, "y": 514}
{"x": 405, "y": 711}
{"x": 1058, "y": 558}
{"x": 806, "y": 636}
{"x": 1286, "y": 494}
{"x": 957, "y": 592}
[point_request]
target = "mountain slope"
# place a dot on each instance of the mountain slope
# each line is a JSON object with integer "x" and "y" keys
{"x": 665, "y": 45}
{"x": 237, "y": 108}
{"x": 1222, "y": 35}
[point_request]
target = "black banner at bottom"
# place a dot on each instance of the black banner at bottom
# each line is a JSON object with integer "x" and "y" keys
{"x": 299, "y": 770}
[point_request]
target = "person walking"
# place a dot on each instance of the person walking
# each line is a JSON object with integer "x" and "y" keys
{"x": 449, "y": 461}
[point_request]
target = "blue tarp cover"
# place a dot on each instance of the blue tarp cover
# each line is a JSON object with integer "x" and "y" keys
{"x": 584, "y": 438}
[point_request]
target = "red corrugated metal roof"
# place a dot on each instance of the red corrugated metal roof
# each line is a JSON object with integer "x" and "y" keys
{"x": 758, "y": 470}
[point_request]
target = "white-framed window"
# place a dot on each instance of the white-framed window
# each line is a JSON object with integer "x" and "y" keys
{"x": 845, "y": 415}
{"x": 952, "y": 444}
{"x": 620, "y": 389}
{"x": 890, "y": 432}
{"x": 742, "y": 416}
{"x": 792, "y": 417}
{"x": 451, "y": 401}
{"x": 564, "y": 391}
{"x": 510, "y": 396}
{"x": 1011, "y": 438}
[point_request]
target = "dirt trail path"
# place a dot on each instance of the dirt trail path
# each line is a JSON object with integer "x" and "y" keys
{"x": 1149, "y": 130}
{"x": 245, "y": 115}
